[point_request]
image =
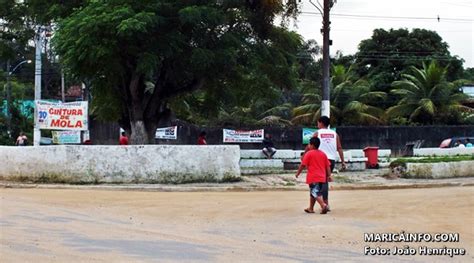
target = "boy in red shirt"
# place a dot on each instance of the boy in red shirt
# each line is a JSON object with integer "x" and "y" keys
{"x": 317, "y": 176}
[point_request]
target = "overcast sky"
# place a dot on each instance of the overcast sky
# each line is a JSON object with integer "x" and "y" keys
{"x": 456, "y": 23}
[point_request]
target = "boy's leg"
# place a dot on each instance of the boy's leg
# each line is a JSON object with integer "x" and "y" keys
{"x": 321, "y": 202}
{"x": 316, "y": 195}
{"x": 265, "y": 152}
{"x": 272, "y": 151}
{"x": 312, "y": 199}
{"x": 323, "y": 189}
{"x": 326, "y": 193}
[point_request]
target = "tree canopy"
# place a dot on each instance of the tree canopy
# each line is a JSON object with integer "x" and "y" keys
{"x": 139, "y": 55}
{"x": 427, "y": 97}
{"x": 388, "y": 54}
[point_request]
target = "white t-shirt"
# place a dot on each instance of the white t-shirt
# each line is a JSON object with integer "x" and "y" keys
{"x": 328, "y": 145}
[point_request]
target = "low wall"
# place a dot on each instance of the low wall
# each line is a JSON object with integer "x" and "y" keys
{"x": 443, "y": 151}
{"x": 120, "y": 164}
{"x": 440, "y": 170}
{"x": 352, "y": 137}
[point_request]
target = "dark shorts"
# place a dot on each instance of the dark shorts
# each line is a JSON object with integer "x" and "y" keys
{"x": 318, "y": 189}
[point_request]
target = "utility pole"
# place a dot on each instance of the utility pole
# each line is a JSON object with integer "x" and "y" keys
{"x": 63, "y": 96}
{"x": 38, "y": 45}
{"x": 9, "y": 98}
{"x": 325, "y": 103}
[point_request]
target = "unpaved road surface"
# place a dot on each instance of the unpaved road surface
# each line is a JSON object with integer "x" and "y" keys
{"x": 54, "y": 225}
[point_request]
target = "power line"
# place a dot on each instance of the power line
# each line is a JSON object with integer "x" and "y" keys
{"x": 449, "y": 19}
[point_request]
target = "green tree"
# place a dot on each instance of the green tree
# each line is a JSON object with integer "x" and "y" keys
{"x": 427, "y": 97}
{"x": 388, "y": 54}
{"x": 20, "y": 123}
{"x": 351, "y": 100}
{"x": 140, "y": 55}
{"x": 247, "y": 97}
{"x": 469, "y": 75}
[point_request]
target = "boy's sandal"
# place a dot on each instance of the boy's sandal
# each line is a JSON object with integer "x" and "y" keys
{"x": 308, "y": 211}
{"x": 324, "y": 210}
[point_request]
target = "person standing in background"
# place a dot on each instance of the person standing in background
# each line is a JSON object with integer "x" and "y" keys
{"x": 268, "y": 146}
{"x": 22, "y": 140}
{"x": 123, "y": 139}
{"x": 202, "y": 138}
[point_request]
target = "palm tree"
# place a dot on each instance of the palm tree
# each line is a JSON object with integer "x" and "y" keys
{"x": 426, "y": 96}
{"x": 309, "y": 111}
{"x": 350, "y": 101}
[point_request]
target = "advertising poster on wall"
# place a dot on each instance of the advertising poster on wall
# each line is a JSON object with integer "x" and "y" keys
{"x": 307, "y": 133}
{"x": 66, "y": 137}
{"x": 168, "y": 133}
{"x": 62, "y": 116}
{"x": 240, "y": 136}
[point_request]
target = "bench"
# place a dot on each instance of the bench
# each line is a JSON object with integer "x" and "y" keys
{"x": 352, "y": 164}
{"x": 254, "y": 161}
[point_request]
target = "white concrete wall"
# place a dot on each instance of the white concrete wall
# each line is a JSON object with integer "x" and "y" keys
{"x": 125, "y": 164}
{"x": 443, "y": 151}
{"x": 280, "y": 154}
{"x": 440, "y": 170}
{"x": 356, "y": 153}
{"x": 349, "y": 155}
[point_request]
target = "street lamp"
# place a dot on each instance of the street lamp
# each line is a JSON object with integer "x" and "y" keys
{"x": 9, "y": 92}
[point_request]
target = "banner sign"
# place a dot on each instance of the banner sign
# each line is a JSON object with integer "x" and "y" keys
{"x": 308, "y": 133}
{"x": 255, "y": 136}
{"x": 169, "y": 133}
{"x": 66, "y": 137}
{"x": 62, "y": 116}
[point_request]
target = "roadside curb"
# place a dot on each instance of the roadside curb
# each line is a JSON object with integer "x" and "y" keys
{"x": 227, "y": 188}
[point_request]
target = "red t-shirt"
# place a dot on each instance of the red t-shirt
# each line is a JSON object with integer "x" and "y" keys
{"x": 316, "y": 162}
{"x": 123, "y": 140}
{"x": 202, "y": 141}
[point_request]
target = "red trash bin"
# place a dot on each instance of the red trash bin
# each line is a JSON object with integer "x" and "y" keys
{"x": 372, "y": 154}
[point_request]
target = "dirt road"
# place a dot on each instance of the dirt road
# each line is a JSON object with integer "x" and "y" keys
{"x": 46, "y": 225}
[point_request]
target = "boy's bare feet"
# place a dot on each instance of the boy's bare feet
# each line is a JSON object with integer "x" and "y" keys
{"x": 310, "y": 211}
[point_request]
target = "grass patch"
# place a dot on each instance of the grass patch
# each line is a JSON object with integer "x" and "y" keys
{"x": 433, "y": 159}
{"x": 342, "y": 179}
{"x": 288, "y": 183}
{"x": 53, "y": 178}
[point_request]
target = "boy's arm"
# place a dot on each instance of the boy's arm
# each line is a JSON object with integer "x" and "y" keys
{"x": 341, "y": 152}
{"x": 328, "y": 173}
{"x": 300, "y": 169}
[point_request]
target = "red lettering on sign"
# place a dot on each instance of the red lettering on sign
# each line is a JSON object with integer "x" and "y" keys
{"x": 53, "y": 111}
{"x": 66, "y": 124}
{"x": 327, "y": 135}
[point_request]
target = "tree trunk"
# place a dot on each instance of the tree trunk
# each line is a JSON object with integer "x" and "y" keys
{"x": 139, "y": 134}
{"x": 144, "y": 112}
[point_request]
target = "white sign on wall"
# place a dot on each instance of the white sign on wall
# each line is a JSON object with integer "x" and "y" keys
{"x": 169, "y": 133}
{"x": 62, "y": 116}
{"x": 66, "y": 137}
{"x": 254, "y": 136}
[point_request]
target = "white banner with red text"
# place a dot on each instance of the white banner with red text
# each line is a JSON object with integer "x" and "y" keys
{"x": 62, "y": 116}
{"x": 240, "y": 136}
